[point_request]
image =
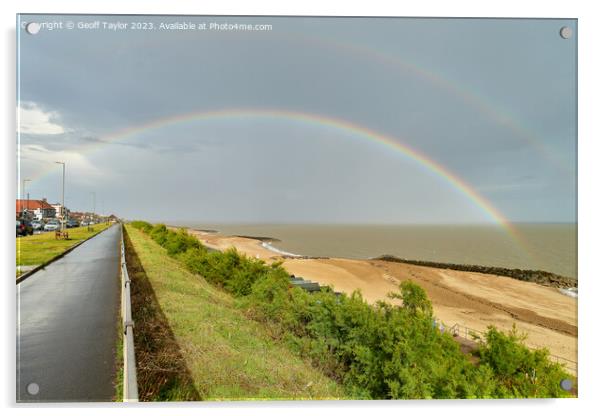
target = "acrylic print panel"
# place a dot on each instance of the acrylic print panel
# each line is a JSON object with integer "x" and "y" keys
{"x": 295, "y": 208}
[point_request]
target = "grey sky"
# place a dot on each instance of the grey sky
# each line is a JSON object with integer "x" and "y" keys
{"x": 491, "y": 100}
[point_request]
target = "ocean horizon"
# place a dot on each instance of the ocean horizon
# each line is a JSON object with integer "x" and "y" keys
{"x": 550, "y": 247}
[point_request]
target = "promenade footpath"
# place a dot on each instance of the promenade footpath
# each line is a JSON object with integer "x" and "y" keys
{"x": 67, "y": 325}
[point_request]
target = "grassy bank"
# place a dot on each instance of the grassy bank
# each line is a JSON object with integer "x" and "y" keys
{"x": 40, "y": 248}
{"x": 193, "y": 342}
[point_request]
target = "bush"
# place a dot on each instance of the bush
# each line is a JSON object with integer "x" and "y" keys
{"x": 159, "y": 233}
{"x": 176, "y": 243}
{"x": 414, "y": 299}
{"x": 142, "y": 225}
{"x": 521, "y": 372}
{"x": 270, "y": 299}
{"x": 387, "y": 352}
{"x": 195, "y": 259}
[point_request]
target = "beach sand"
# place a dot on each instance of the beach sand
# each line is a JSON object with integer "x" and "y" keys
{"x": 472, "y": 300}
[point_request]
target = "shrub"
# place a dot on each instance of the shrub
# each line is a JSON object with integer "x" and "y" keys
{"x": 243, "y": 277}
{"x": 521, "y": 372}
{"x": 195, "y": 259}
{"x": 142, "y": 225}
{"x": 414, "y": 299}
{"x": 176, "y": 243}
{"x": 270, "y": 298}
{"x": 159, "y": 233}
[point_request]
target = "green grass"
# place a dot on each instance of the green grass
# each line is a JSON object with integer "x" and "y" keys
{"x": 225, "y": 355}
{"x": 40, "y": 248}
{"x": 119, "y": 360}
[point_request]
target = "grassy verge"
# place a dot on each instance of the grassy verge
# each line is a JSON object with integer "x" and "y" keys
{"x": 119, "y": 360}
{"x": 193, "y": 342}
{"x": 40, "y": 248}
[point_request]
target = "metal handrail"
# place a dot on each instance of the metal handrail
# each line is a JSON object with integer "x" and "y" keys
{"x": 568, "y": 364}
{"x": 465, "y": 332}
{"x": 130, "y": 382}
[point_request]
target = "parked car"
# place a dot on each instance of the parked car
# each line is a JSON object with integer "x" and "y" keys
{"x": 84, "y": 224}
{"x": 24, "y": 227}
{"x": 52, "y": 225}
{"x": 37, "y": 225}
{"x": 72, "y": 224}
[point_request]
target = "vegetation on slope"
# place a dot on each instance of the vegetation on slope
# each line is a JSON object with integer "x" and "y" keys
{"x": 194, "y": 343}
{"x": 376, "y": 351}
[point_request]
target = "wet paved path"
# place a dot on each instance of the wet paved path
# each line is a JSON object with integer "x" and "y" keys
{"x": 67, "y": 320}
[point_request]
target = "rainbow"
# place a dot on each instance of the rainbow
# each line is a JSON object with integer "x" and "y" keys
{"x": 321, "y": 121}
{"x": 315, "y": 120}
{"x": 472, "y": 99}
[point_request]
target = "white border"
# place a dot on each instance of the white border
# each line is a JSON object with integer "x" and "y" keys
{"x": 589, "y": 185}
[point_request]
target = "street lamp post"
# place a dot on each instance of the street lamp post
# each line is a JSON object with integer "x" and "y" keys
{"x": 63, "y": 199}
{"x": 23, "y": 211}
{"x": 93, "y": 217}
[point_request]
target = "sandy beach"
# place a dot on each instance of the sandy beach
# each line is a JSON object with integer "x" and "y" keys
{"x": 472, "y": 300}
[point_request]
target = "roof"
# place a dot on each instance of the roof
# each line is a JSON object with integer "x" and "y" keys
{"x": 32, "y": 205}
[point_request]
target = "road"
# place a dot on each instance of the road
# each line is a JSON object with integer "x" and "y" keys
{"x": 67, "y": 320}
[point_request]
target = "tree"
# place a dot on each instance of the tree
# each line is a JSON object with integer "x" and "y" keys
{"x": 414, "y": 299}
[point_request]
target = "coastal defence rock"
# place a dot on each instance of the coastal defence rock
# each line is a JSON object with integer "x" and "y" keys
{"x": 263, "y": 239}
{"x": 536, "y": 276}
{"x": 285, "y": 256}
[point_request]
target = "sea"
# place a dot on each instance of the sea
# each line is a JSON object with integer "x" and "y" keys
{"x": 549, "y": 247}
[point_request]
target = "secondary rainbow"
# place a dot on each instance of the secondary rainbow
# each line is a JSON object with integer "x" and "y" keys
{"x": 470, "y": 97}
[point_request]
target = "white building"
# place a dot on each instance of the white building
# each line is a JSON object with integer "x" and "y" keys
{"x": 59, "y": 210}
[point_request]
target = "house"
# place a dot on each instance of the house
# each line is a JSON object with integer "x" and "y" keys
{"x": 80, "y": 216}
{"x": 76, "y": 215}
{"x": 59, "y": 210}
{"x": 39, "y": 208}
